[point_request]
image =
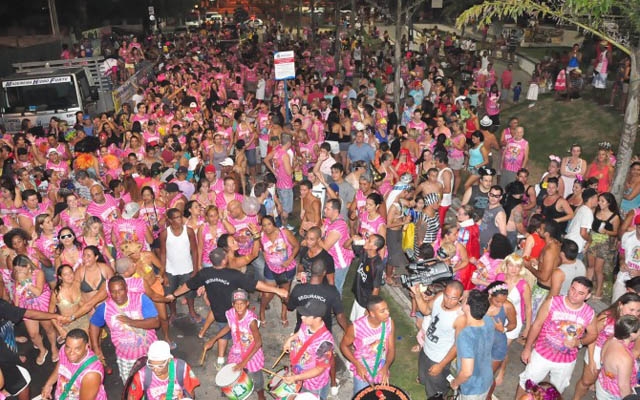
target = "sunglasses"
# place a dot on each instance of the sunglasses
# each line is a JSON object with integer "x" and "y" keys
{"x": 67, "y": 236}
{"x": 495, "y": 196}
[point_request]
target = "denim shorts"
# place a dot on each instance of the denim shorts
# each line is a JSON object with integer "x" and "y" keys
{"x": 252, "y": 159}
{"x": 218, "y": 326}
{"x": 281, "y": 278}
{"x": 286, "y": 199}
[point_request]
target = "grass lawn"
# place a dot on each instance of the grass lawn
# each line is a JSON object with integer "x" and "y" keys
{"x": 552, "y": 126}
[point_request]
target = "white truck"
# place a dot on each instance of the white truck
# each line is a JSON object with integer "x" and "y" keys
{"x": 41, "y": 90}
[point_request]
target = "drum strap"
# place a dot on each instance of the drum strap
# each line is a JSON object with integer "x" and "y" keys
{"x": 69, "y": 385}
{"x": 306, "y": 344}
{"x": 172, "y": 376}
{"x": 378, "y": 354}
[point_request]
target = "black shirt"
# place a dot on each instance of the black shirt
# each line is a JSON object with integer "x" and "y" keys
{"x": 307, "y": 261}
{"x": 9, "y": 315}
{"x": 220, "y": 284}
{"x": 325, "y": 293}
{"x": 368, "y": 277}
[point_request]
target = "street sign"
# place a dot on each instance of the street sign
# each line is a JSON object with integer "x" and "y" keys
{"x": 285, "y": 66}
{"x": 151, "y": 10}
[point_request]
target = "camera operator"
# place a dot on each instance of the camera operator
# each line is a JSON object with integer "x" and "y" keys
{"x": 447, "y": 320}
{"x": 369, "y": 275}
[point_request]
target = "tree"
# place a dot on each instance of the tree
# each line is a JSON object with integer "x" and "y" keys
{"x": 590, "y": 16}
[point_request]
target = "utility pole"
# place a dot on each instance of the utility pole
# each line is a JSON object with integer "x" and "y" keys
{"x": 53, "y": 17}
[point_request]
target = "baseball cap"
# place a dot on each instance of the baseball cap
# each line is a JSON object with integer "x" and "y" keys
{"x": 239, "y": 294}
{"x": 193, "y": 105}
{"x": 312, "y": 309}
{"x": 227, "y": 162}
{"x": 636, "y": 220}
{"x": 159, "y": 351}
{"x": 172, "y": 187}
{"x": 182, "y": 170}
{"x": 210, "y": 168}
{"x": 130, "y": 209}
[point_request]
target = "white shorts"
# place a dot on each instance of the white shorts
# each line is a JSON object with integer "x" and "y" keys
{"x": 539, "y": 367}
{"x": 335, "y": 146}
{"x": 597, "y": 351}
{"x": 263, "y": 145}
{"x": 357, "y": 311}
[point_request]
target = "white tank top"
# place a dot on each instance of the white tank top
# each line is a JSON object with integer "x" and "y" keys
{"x": 446, "y": 197}
{"x": 179, "y": 260}
{"x": 440, "y": 335}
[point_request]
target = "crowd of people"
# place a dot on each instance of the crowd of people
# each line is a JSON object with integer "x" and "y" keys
{"x": 210, "y": 183}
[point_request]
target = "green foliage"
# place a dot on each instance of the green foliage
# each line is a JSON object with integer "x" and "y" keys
{"x": 587, "y": 15}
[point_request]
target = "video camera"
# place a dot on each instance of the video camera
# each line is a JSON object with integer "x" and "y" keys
{"x": 426, "y": 272}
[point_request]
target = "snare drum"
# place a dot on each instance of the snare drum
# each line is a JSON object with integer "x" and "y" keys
{"x": 387, "y": 392}
{"x": 236, "y": 385}
{"x": 281, "y": 390}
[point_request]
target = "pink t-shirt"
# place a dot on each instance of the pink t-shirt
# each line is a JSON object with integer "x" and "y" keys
{"x": 562, "y": 323}
{"x": 66, "y": 370}
{"x": 277, "y": 252}
{"x": 243, "y": 235}
{"x": 108, "y": 212}
{"x": 318, "y": 353}
{"x": 210, "y": 239}
{"x": 130, "y": 230}
{"x": 341, "y": 257}
{"x": 513, "y": 156}
{"x": 366, "y": 343}
{"x": 243, "y": 340}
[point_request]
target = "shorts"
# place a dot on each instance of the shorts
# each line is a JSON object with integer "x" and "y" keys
{"x": 175, "y": 281}
{"x": 252, "y": 159}
{"x": 258, "y": 380}
{"x": 286, "y": 199}
{"x": 263, "y": 145}
{"x": 625, "y": 87}
{"x": 600, "y": 250}
{"x": 344, "y": 146}
{"x": 49, "y": 274}
{"x": 16, "y": 378}
{"x": 219, "y": 326}
{"x": 602, "y": 394}
{"x": 538, "y": 296}
{"x": 597, "y": 352}
{"x": 456, "y": 164}
{"x": 539, "y": 367}
{"x": 599, "y": 80}
{"x": 281, "y": 278}
{"x": 335, "y": 146}
{"x": 432, "y": 384}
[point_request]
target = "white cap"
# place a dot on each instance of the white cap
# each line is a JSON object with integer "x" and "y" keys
{"x": 193, "y": 163}
{"x": 227, "y": 162}
{"x": 193, "y": 105}
{"x": 159, "y": 351}
{"x": 52, "y": 150}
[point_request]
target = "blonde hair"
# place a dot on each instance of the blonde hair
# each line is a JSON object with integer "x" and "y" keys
{"x": 518, "y": 261}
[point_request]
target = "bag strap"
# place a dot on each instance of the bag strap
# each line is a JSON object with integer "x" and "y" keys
{"x": 69, "y": 385}
{"x": 378, "y": 354}
{"x": 172, "y": 376}
{"x": 307, "y": 343}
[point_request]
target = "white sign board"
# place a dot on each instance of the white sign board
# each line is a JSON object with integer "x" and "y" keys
{"x": 285, "y": 66}
{"x": 37, "y": 81}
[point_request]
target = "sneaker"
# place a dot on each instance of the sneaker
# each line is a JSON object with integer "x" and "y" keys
{"x": 334, "y": 390}
{"x": 219, "y": 363}
{"x": 290, "y": 227}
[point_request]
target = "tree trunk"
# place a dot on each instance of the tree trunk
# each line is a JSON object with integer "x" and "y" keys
{"x": 630, "y": 127}
{"x": 337, "y": 54}
{"x": 299, "y": 18}
{"x": 397, "y": 58}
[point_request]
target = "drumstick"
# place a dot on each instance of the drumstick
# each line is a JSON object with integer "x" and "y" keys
{"x": 203, "y": 357}
{"x": 279, "y": 358}
{"x": 268, "y": 371}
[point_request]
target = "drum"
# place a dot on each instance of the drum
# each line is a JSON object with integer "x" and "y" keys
{"x": 235, "y": 385}
{"x": 387, "y": 392}
{"x": 279, "y": 389}
{"x": 303, "y": 396}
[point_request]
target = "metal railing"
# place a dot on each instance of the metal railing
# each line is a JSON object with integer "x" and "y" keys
{"x": 90, "y": 64}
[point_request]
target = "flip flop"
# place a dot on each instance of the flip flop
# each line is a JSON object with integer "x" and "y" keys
{"x": 44, "y": 359}
{"x": 21, "y": 339}
{"x": 197, "y": 319}
{"x": 56, "y": 359}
